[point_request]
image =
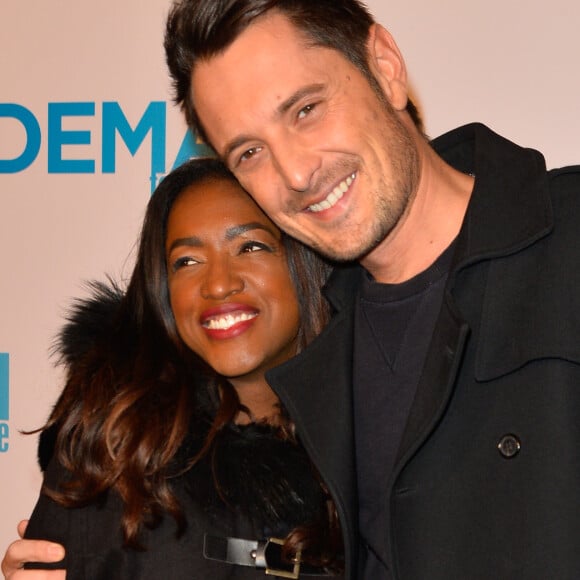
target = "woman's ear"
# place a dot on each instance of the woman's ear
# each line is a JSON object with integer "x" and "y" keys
{"x": 387, "y": 65}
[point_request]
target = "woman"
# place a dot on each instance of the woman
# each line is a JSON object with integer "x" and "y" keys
{"x": 174, "y": 456}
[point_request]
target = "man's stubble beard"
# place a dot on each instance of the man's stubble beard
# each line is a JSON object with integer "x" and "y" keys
{"x": 392, "y": 200}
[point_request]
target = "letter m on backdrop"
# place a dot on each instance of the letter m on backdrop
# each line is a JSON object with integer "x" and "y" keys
{"x": 153, "y": 121}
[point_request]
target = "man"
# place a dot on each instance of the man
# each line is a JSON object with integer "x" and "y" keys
{"x": 440, "y": 405}
{"x": 453, "y": 378}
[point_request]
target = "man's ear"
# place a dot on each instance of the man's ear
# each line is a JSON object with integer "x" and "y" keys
{"x": 387, "y": 65}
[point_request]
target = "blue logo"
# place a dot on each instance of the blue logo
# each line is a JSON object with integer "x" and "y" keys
{"x": 113, "y": 123}
{"x": 4, "y": 401}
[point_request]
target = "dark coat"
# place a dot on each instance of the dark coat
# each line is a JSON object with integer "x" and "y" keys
{"x": 92, "y": 535}
{"x": 267, "y": 482}
{"x": 487, "y": 481}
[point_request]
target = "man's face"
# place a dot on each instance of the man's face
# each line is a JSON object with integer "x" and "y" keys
{"x": 327, "y": 158}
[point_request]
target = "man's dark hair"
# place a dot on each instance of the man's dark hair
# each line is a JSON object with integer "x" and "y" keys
{"x": 200, "y": 29}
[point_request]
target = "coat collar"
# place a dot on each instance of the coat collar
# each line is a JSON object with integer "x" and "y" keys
{"x": 509, "y": 207}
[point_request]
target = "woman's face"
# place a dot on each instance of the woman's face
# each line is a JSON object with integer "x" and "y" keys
{"x": 230, "y": 289}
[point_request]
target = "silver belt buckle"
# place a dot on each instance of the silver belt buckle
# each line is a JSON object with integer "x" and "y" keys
{"x": 270, "y": 571}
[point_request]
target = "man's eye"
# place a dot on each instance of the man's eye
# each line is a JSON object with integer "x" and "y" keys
{"x": 305, "y": 111}
{"x": 246, "y": 155}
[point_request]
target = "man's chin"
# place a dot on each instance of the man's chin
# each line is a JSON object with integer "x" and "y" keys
{"x": 340, "y": 253}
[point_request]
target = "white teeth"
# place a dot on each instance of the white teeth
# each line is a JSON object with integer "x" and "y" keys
{"x": 227, "y": 321}
{"x": 334, "y": 195}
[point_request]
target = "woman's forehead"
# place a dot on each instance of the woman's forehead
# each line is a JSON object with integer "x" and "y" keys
{"x": 215, "y": 201}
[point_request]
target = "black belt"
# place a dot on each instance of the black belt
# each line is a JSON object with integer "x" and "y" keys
{"x": 258, "y": 554}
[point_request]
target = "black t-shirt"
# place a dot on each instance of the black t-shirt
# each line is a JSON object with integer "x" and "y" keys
{"x": 393, "y": 327}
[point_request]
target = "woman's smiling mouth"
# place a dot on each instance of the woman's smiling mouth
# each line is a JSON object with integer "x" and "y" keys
{"x": 226, "y": 322}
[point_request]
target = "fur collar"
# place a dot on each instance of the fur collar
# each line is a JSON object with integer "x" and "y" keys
{"x": 267, "y": 478}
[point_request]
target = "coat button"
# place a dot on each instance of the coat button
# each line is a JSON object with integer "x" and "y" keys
{"x": 509, "y": 446}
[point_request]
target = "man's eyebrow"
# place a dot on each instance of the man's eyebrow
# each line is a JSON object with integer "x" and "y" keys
{"x": 280, "y": 110}
{"x": 297, "y": 96}
{"x": 233, "y": 145}
{"x": 235, "y": 231}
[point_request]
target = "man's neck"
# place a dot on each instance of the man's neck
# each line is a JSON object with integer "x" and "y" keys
{"x": 432, "y": 221}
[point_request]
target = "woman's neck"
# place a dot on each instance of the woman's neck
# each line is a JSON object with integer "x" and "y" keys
{"x": 260, "y": 400}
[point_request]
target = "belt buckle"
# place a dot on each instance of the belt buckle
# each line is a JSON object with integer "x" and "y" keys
{"x": 270, "y": 571}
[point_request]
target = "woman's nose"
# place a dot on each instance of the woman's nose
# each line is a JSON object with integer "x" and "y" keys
{"x": 221, "y": 280}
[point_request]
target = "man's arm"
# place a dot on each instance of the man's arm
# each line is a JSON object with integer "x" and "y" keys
{"x": 23, "y": 551}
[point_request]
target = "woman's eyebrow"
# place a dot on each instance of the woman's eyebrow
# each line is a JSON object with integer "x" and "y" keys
{"x": 240, "y": 229}
{"x": 191, "y": 241}
{"x": 231, "y": 233}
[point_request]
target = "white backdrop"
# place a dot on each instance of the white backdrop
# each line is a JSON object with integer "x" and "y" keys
{"x": 80, "y": 79}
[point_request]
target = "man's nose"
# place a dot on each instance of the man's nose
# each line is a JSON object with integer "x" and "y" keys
{"x": 297, "y": 165}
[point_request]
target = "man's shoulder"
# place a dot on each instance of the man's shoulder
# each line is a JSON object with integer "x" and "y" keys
{"x": 565, "y": 177}
{"x": 563, "y": 190}
{"x": 564, "y": 187}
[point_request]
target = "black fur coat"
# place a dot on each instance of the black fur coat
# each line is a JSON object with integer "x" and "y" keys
{"x": 267, "y": 488}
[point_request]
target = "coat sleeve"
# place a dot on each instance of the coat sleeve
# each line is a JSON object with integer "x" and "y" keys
{"x": 51, "y": 521}
{"x": 91, "y": 535}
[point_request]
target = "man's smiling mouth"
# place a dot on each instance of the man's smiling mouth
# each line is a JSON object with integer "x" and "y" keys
{"x": 334, "y": 196}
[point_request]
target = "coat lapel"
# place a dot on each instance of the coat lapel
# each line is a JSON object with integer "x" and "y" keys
{"x": 436, "y": 382}
{"x": 498, "y": 222}
{"x": 315, "y": 388}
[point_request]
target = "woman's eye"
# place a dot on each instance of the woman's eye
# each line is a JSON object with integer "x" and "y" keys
{"x": 250, "y": 247}
{"x": 183, "y": 262}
